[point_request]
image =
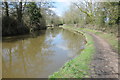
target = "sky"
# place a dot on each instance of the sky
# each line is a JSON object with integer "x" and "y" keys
{"x": 61, "y": 6}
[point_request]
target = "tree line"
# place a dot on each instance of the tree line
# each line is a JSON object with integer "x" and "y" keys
{"x": 97, "y": 15}
{"x": 24, "y": 17}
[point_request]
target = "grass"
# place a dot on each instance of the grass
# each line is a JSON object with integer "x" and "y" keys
{"x": 109, "y": 37}
{"x": 79, "y": 66}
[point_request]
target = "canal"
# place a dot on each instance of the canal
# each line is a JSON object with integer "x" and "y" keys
{"x": 39, "y": 54}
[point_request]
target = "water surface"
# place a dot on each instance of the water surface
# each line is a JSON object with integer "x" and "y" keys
{"x": 40, "y": 54}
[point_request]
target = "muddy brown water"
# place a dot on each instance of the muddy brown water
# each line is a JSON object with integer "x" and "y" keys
{"x": 40, "y": 54}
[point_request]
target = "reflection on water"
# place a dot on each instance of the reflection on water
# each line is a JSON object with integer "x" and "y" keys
{"x": 39, "y": 56}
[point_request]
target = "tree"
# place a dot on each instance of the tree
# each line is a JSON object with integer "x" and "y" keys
{"x": 100, "y": 15}
{"x": 86, "y": 7}
{"x": 21, "y": 16}
{"x": 36, "y": 18}
{"x": 6, "y": 8}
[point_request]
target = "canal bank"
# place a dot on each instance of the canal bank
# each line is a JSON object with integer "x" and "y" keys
{"x": 79, "y": 66}
{"x": 97, "y": 60}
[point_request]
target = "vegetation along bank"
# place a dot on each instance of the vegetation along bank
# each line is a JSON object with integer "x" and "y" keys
{"x": 80, "y": 67}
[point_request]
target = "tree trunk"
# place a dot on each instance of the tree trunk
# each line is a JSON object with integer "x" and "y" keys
{"x": 19, "y": 11}
{"x": 19, "y": 15}
{"x": 6, "y": 9}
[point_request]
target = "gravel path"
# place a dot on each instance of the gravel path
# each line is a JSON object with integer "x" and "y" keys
{"x": 105, "y": 61}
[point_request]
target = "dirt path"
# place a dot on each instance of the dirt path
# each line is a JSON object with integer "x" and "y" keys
{"x": 105, "y": 62}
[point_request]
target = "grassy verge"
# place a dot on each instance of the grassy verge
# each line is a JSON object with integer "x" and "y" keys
{"x": 79, "y": 66}
{"x": 109, "y": 37}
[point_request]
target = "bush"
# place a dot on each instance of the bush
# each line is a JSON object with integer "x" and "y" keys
{"x": 10, "y": 27}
